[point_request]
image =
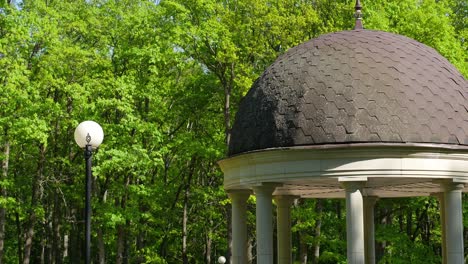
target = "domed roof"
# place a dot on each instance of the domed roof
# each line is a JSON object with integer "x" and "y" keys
{"x": 358, "y": 86}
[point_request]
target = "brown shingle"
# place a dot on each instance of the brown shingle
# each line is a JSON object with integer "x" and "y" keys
{"x": 354, "y": 86}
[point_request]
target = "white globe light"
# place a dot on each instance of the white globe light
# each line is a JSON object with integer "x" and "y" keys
{"x": 89, "y": 132}
{"x": 221, "y": 260}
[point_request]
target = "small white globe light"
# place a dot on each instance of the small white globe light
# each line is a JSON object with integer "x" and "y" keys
{"x": 89, "y": 132}
{"x": 221, "y": 260}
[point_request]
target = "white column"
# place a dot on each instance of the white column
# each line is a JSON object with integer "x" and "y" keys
{"x": 453, "y": 222}
{"x": 354, "y": 222}
{"x": 369, "y": 234}
{"x": 264, "y": 214}
{"x": 440, "y": 197}
{"x": 283, "y": 204}
{"x": 239, "y": 225}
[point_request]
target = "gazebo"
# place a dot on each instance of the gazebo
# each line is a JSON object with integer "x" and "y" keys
{"x": 357, "y": 114}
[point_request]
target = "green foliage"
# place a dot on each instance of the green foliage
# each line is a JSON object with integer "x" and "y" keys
{"x": 331, "y": 258}
{"x": 403, "y": 250}
{"x": 414, "y": 234}
{"x": 439, "y": 24}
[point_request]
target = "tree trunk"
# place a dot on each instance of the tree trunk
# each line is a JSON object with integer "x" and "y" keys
{"x": 140, "y": 241}
{"x": 303, "y": 249}
{"x": 318, "y": 226}
{"x": 101, "y": 247}
{"x": 409, "y": 222}
{"x": 126, "y": 256}
{"x": 57, "y": 238}
{"x": 122, "y": 254}
{"x": 43, "y": 252}
{"x": 208, "y": 244}
{"x": 185, "y": 213}
{"x": 3, "y": 193}
{"x": 386, "y": 219}
{"x": 229, "y": 232}
{"x": 227, "y": 114}
{"x": 65, "y": 246}
{"x": 120, "y": 244}
{"x": 46, "y": 243}
{"x": 339, "y": 213}
{"x": 250, "y": 257}
{"x": 18, "y": 234}
{"x": 184, "y": 228}
{"x": 36, "y": 194}
{"x": 75, "y": 240}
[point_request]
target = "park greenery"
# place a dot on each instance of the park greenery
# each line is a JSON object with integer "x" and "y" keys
{"x": 164, "y": 79}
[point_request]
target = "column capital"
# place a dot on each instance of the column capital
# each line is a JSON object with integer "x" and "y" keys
{"x": 353, "y": 185}
{"x": 450, "y": 185}
{"x": 286, "y": 200}
{"x": 239, "y": 194}
{"x": 371, "y": 200}
{"x": 268, "y": 187}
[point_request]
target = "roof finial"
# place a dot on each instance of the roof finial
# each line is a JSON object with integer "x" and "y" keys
{"x": 358, "y": 15}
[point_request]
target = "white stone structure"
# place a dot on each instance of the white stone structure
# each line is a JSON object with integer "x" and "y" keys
{"x": 358, "y": 173}
{"x": 361, "y": 115}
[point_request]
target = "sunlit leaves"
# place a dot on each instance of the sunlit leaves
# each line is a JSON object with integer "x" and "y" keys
{"x": 434, "y": 23}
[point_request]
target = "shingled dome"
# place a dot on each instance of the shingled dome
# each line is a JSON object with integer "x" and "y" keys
{"x": 358, "y": 86}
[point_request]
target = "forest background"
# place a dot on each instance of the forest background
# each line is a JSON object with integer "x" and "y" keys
{"x": 164, "y": 79}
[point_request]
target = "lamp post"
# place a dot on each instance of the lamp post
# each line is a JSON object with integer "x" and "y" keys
{"x": 88, "y": 135}
{"x": 222, "y": 260}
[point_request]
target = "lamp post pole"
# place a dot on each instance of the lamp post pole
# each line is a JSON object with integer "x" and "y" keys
{"x": 88, "y": 135}
{"x": 88, "y": 153}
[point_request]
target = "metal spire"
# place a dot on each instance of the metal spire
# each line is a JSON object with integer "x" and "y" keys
{"x": 358, "y": 15}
